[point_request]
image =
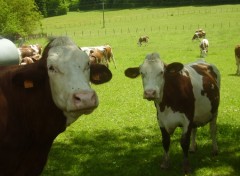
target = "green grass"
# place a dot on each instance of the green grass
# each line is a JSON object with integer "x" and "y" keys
{"x": 122, "y": 137}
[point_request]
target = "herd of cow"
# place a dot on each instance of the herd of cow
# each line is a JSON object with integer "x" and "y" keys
{"x": 58, "y": 83}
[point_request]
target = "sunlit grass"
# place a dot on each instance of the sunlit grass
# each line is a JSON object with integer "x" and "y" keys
{"x": 122, "y": 136}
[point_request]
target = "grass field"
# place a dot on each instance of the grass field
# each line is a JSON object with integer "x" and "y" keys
{"x": 122, "y": 137}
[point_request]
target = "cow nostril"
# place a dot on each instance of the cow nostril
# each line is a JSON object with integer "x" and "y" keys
{"x": 150, "y": 93}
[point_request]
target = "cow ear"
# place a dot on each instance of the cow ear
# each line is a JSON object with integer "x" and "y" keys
{"x": 99, "y": 74}
{"x": 132, "y": 72}
{"x": 174, "y": 67}
{"x": 29, "y": 77}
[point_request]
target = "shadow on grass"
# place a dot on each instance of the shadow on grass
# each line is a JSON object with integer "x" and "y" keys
{"x": 133, "y": 152}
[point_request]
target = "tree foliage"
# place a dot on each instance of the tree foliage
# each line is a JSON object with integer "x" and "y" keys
{"x": 18, "y": 18}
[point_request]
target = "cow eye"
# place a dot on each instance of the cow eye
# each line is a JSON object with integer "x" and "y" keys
{"x": 52, "y": 69}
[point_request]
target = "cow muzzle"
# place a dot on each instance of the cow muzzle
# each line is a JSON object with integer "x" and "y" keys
{"x": 150, "y": 94}
{"x": 86, "y": 101}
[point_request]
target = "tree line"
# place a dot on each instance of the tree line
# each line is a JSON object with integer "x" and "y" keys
{"x": 22, "y": 17}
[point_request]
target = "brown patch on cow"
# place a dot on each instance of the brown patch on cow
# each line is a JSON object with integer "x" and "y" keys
{"x": 210, "y": 86}
{"x": 178, "y": 94}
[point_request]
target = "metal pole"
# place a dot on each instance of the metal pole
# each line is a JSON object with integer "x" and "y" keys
{"x": 103, "y": 14}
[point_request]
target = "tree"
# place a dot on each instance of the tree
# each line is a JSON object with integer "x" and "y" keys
{"x": 18, "y": 18}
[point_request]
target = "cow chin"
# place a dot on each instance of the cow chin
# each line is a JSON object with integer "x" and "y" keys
{"x": 72, "y": 116}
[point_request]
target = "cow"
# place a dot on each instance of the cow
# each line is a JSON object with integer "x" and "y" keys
{"x": 237, "y": 57}
{"x": 104, "y": 51}
{"x": 38, "y": 101}
{"x": 142, "y": 39}
{"x": 199, "y": 33}
{"x": 30, "y": 51}
{"x": 204, "y": 48}
{"x": 98, "y": 56}
{"x": 8, "y": 52}
{"x": 185, "y": 96}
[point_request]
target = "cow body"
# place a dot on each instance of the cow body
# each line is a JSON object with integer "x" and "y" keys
{"x": 237, "y": 57}
{"x": 29, "y": 52}
{"x": 199, "y": 33}
{"x": 185, "y": 96}
{"x": 100, "y": 54}
{"x": 38, "y": 101}
{"x": 204, "y": 48}
{"x": 143, "y": 39}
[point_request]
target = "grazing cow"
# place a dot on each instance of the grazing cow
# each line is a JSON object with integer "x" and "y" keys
{"x": 38, "y": 101}
{"x": 30, "y": 51}
{"x": 185, "y": 96}
{"x": 8, "y": 52}
{"x": 102, "y": 53}
{"x": 143, "y": 39}
{"x": 199, "y": 34}
{"x": 237, "y": 57}
{"x": 204, "y": 48}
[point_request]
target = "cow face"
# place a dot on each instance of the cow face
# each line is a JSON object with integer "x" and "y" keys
{"x": 69, "y": 78}
{"x": 151, "y": 71}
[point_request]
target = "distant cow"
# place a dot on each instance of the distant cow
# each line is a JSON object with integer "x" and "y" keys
{"x": 185, "y": 96}
{"x": 204, "y": 48}
{"x": 143, "y": 39}
{"x": 98, "y": 56}
{"x": 38, "y": 101}
{"x": 103, "y": 52}
{"x": 30, "y": 51}
{"x": 199, "y": 34}
{"x": 237, "y": 57}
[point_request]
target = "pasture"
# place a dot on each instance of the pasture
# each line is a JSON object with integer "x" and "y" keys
{"x": 122, "y": 137}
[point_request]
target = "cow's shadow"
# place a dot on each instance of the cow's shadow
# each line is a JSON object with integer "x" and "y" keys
{"x": 132, "y": 152}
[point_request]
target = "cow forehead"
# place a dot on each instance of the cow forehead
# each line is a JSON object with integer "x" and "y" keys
{"x": 67, "y": 55}
{"x": 152, "y": 62}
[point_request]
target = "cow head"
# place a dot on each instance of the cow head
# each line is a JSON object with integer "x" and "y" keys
{"x": 153, "y": 72}
{"x": 69, "y": 74}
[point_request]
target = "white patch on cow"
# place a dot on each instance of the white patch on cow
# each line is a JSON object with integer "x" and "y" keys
{"x": 202, "y": 105}
{"x": 69, "y": 73}
{"x": 170, "y": 120}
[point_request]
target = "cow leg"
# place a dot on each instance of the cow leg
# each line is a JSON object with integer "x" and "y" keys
{"x": 238, "y": 65}
{"x": 185, "y": 142}
{"x": 166, "y": 144}
{"x": 193, "y": 146}
{"x": 213, "y": 130}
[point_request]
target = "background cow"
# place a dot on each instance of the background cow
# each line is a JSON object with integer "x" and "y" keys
{"x": 199, "y": 33}
{"x": 143, "y": 39}
{"x": 237, "y": 57}
{"x": 102, "y": 54}
{"x": 204, "y": 48}
{"x": 184, "y": 95}
{"x": 32, "y": 52}
{"x": 38, "y": 101}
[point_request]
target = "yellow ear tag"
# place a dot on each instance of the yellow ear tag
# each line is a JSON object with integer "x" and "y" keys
{"x": 28, "y": 84}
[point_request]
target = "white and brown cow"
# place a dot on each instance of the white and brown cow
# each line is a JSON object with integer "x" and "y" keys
{"x": 237, "y": 57}
{"x": 185, "y": 96}
{"x": 142, "y": 39}
{"x": 199, "y": 33}
{"x": 204, "y": 44}
{"x": 100, "y": 54}
{"x": 38, "y": 101}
